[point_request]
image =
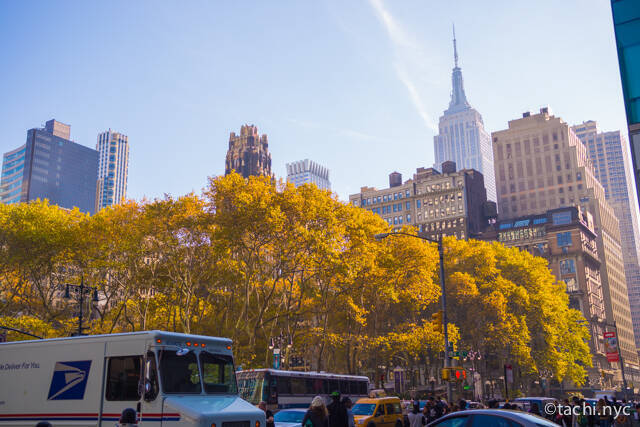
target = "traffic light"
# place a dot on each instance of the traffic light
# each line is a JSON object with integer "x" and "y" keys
{"x": 459, "y": 374}
{"x": 437, "y": 321}
{"x": 446, "y": 374}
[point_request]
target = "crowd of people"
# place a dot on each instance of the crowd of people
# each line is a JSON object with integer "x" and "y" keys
{"x": 581, "y": 413}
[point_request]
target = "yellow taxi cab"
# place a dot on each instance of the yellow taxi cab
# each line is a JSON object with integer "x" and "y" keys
{"x": 378, "y": 412}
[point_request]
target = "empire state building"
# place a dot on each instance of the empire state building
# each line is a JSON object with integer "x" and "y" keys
{"x": 462, "y": 137}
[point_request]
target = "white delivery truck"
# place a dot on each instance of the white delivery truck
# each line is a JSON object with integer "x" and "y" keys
{"x": 170, "y": 379}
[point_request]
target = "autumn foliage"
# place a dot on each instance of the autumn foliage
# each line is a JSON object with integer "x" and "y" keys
{"x": 253, "y": 259}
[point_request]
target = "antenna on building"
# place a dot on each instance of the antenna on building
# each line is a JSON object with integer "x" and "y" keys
{"x": 455, "y": 47}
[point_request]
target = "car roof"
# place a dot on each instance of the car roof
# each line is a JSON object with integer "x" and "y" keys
{"x": 377, "y": 399}
{"x": 512, "y": 415}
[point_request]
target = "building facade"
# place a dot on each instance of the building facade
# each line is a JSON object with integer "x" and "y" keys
{"x": 608, "y": 153}
{"x": 451, "y": 203}
{"x": 51, "y": 166}
{"x": 248, "y": 153}
{"x": 308, "y": 172}
{"x": 626, "y": 22}
{"x": 113, "y": 168}
{"x": 462, "y": 137}
{"x": 542, "y": 165}
{"x": 566, "y": 237}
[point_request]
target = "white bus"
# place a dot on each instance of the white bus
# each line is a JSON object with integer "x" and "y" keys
{"x": 170, "y": 379}
{"x": 294, "y": 389}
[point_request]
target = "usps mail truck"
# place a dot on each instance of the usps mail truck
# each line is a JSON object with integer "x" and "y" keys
{"x": 170, "y": 379}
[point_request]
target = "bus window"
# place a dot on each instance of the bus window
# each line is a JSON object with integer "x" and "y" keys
{"x": 123, "y": 377}
{"x": 284, "y": 385}
{"x": 318, "y": 386}
{"x": 344, "y": 387}
{"x": 364, "y": 388}
{"x": 298, "y": 386}
{"x": 334, "y": 385}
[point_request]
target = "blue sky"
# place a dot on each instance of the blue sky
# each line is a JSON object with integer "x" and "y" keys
{"x": 355, "y": 85}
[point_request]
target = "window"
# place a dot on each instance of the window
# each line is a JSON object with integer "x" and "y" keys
{"x": 408, "y": 205}
{"x": 564, "y": 239}
{"x": 482, "y": 420}
{"x": 179, "y": 374}
{"x": 123, "y": 377}
{"x": 418, "y": 204}
{"x": 218, "y": 374}
{"x": 567, "y": 266}
{"x": 453, "y": 422}
{"x": 561, "y": 218}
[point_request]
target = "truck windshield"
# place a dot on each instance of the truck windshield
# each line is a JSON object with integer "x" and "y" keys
{"x": 179, "y": 374}
{"x": 218, "y": 375}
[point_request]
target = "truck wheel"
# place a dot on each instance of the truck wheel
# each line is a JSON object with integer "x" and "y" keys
{"x": 399, "y": 424}
{"x": 371, "y": 425}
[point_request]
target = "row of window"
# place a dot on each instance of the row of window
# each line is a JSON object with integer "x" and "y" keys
{"x": 397, "y": 220}
{"x": 383, "y": 198}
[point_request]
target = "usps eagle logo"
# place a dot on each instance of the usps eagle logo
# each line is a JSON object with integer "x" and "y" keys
{"x": 69, "y": 380}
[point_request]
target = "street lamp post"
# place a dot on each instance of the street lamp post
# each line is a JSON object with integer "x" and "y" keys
{"x": 624, "y": 378}
{"x": 277, "y": 344}
{"x": 79, "y": 292}
{"x": 443, "y": 298}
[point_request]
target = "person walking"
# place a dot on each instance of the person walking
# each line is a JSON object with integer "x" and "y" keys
{"x": 348, "y": 404}
{"x": 416, "y": 419}
{"x": 337, "y": 412}
{"x": 267, "y": 413}
{"x": 317, "y": 414}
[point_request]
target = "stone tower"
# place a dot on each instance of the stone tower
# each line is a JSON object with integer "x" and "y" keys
{"x": 248, "y": 153}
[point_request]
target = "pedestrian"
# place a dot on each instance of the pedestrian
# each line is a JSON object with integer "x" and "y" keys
{"x": 337, "y": 412}
{"x": 128, "y": 418}
{"x": 348, "y": 404}
{"x": 462, "y": 404}
{"x": 430, "y": 410}
{"x": 416, "y": 419}
{"x": 267, "y": 413}
{"x": 317, "y": 414}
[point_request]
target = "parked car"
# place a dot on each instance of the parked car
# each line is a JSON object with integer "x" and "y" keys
{"x": 491, "y": 418}
{"x": 289, "y": 417}
{"x": 378, "y": 412}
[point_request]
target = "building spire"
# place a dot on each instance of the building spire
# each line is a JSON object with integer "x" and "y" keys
{"x": 458, "y": 98}
{"x": 455, "y": 48}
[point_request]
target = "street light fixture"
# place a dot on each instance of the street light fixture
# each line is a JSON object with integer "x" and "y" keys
{"x": 443, "y": 299}
{"x": 80, "y": 291}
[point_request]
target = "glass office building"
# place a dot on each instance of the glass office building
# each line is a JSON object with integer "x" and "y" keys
{"x": 626, "y": 20}
{"x": 308, "y": 172}
{"x": 51, "y": 166}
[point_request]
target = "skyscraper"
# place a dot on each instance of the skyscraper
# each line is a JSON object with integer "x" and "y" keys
{"x": 113, "y": 168}
{"x": 608, "y": 153}
{"x": 308, "y": 172}
{"x": 50, "y": 166}
{"x": 462, "y": 137}
{"x": 626, "y": 22}
{"x": 248, "y": 153}
{"x": 542, "y": 165}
